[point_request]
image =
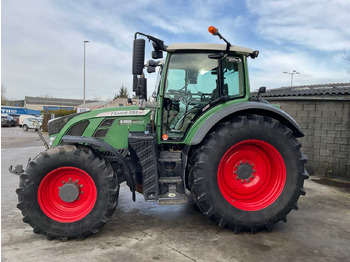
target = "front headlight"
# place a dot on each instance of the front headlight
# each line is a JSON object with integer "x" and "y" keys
{"x": 52, "y": 139}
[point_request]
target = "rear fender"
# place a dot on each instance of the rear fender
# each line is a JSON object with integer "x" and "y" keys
{"x": 258, "y": 108}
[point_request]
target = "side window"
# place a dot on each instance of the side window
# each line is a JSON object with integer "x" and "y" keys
{"x": 175, "y": 80}
{"x": 191, "y": 83}
{"x": 233, "y": 76}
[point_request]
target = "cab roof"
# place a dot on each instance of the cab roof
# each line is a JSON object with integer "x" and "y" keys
{"x": 210, "y": 47}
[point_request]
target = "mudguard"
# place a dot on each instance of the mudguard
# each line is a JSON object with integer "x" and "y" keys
{"x": 247, "y": 108}
{"x": 101, "y": 144}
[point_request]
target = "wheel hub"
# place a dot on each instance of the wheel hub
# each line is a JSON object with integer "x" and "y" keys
{"x": 244, "y": 171}
{"x": 69, "y": 192}
{"x": 251, "y": 175}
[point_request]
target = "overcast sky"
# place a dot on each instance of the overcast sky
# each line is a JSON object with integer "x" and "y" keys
{"x": 42, "y": 40}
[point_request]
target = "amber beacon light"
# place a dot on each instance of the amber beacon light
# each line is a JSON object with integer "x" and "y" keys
{"x": 213, "y": 30}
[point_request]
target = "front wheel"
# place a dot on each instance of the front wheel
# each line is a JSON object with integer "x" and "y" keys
{"x": 68, "y": 192}
{"x": 25, "y": 128}
{"x": 248, "y": 173}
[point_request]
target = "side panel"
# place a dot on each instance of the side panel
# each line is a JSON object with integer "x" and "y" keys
{"x": 111, "y": 125}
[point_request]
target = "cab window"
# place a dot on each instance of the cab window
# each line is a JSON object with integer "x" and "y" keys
{"x": 192, "y": 82}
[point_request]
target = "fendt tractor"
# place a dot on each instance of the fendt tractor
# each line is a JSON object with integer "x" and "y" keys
{"x": 200, "y": 131}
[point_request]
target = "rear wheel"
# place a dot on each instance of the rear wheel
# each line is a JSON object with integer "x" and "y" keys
{"x": 68, "y": 192}
{"x": 248, "y": 173}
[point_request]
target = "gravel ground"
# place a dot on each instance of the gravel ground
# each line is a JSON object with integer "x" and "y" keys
{"x": 143, "y": 231}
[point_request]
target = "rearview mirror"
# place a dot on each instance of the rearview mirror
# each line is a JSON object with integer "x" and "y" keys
{"x": 151, "y": 66}
{"x": 262, "y": 89}
{"x": 158, "y": 46}
{"x": 142, "y": 86}
{"x": 138, "y": 56}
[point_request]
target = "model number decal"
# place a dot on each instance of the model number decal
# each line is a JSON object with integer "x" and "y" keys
{"x": 124, "y": 113}
{"x": 130, "y": 122}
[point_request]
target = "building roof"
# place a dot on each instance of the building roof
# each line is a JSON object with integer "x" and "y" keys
{"x": 98, "y": 103}
{"x": 54, "y": 101}
{"x": 336, "y": 89}
{"x": 214, "y": 47}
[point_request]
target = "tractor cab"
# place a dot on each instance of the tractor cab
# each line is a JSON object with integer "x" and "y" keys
{"x": 193, "y": 78}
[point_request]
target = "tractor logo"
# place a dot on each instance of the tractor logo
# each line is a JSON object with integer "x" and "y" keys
{"x": 124, "y": 113}
{"x": 130, "y": 122}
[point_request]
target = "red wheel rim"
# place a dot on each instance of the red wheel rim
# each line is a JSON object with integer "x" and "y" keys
{"x": 251, "y": 175}
{"x": 67, "y": 212}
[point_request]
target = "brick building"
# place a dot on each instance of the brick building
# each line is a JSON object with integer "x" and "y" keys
{"x": 323, "y": 112}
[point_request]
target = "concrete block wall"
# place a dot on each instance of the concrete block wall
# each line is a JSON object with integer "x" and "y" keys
{"x": 326, "y": 125}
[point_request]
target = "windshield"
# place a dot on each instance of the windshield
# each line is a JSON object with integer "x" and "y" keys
{"x": 193, "y": 81}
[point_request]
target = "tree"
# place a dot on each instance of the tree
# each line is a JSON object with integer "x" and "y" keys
{"x": 346, "y": 57}
{"x": 123, "y": 93}
{"x": 3, "y": 97}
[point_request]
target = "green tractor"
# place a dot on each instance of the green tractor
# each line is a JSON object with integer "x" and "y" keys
{"x": 200, "y": 131}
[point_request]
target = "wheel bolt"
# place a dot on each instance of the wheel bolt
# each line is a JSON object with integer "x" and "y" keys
{"x": 248, "y": 181}
{"x": 63, "y": 182}
{"x": 81, "y": 185}
{"x": 59, "y": 187}
{"x": 82, "y": 192}
{"x": 240, "y": 162}
{"x": 242, "y": 181}
{"x": 77, "y": 180}
{"x": 234, "y": 172}
{"x": 247, "y": 161}
{"x": 236, "y": 177}
{"x": 70, "y": 179}
{"x": 254, "y": 170}
{"x": 253, "y": 176}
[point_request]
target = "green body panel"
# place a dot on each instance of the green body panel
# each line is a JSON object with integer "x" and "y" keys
{"x": 118, "y": 132}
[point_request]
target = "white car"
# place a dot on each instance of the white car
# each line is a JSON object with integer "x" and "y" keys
{"x": 22, "y": 118}
{"x": 32, "y": 123}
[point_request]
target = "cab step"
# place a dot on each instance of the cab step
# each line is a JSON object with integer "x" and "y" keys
{"x": 166, "y": 200}
{"x": 173, "y": 196}
{"x": 170, "y": 180}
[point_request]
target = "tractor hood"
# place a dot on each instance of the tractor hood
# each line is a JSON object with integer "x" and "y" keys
{"x": 109, "y": 124}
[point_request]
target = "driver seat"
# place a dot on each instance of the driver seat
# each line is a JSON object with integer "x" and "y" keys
{"x": 215, "y": 93}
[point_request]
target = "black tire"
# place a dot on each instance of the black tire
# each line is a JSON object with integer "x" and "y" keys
{"x": 206, "y": 158}
{"x": 25, "y": 128}
{"x": 98, "y": 170}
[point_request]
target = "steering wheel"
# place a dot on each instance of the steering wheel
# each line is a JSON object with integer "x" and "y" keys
{"x": 181, "y": 95}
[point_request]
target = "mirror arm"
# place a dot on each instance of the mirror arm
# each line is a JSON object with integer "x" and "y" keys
{"x": 159, "y": 42}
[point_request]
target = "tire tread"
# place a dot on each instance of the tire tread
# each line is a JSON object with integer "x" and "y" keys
{"x": 196, "y": 170}
{"x": 71, "y": 151}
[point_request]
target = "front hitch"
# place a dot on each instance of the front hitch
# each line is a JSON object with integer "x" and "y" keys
{"x": 17, "y": 170}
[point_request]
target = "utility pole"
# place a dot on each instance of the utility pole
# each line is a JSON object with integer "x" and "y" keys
{"x": 291, "y": 76}
{"x": 84, "y": 75}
